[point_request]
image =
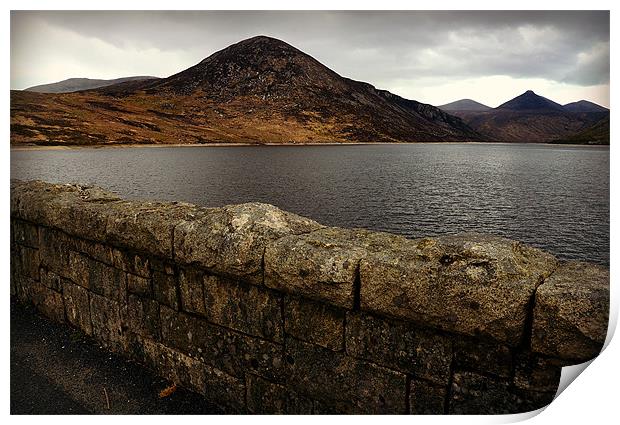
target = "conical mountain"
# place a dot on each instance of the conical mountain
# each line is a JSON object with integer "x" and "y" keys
{"x": 260, "y": 90}
{"x": 258, "y": 66}
{"x": 530, "y": 101}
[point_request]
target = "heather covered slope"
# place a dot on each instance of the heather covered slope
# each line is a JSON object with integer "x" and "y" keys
{"x": 260, "y": 90}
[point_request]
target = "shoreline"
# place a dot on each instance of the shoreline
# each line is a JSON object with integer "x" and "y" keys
{"x": 34, "y": 147}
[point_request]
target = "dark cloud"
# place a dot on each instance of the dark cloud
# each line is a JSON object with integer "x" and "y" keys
{"x": 562, "y": 46}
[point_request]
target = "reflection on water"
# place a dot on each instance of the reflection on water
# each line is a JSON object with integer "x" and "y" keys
{"x": 554, "y": 197}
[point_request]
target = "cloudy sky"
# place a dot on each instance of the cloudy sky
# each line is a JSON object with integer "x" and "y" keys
{"x": 433, "y": 57}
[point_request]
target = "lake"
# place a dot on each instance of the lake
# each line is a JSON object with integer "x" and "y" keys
{"x": 553, "y": 197}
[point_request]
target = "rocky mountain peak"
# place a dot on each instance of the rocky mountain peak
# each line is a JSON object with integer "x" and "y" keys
{"x": 255, "y": 47}
{"x": 530, "y": 101}
{"x": 259, "y": 66}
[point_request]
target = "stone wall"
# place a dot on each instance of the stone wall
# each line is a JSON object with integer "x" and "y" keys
{"x": 263, "y": 311}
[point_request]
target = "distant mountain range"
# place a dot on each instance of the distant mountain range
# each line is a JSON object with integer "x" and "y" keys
{"x": 260, "y": 90}
{"x": 533, "y": 118}
{"x": 263, "y": 90}
{"x": 77, "y": 84}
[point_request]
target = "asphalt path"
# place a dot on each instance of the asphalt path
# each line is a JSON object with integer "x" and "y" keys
{"x": 58, "y": 370}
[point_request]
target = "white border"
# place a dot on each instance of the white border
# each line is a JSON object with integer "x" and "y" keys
{"x": 591, "y": 398}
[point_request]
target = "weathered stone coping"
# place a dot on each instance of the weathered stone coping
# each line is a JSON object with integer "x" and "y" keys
{"x": 470, "y": 284}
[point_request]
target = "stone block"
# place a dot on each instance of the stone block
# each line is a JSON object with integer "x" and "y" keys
{"x": 78, "y": 268}
{"x": 107, "y": 281}
{"x": 132, "y": 344}
{"x": 141, "y": 316}
{"x": 321, "y": 265}
{"x": 244, "y": 307}
{"x": 474, "y": 394}
{"x": 92, "y": 213}
{"x": 95, "y": 250}
{"x": 468, "y": 283}
{"x": 227, "y": 350}
{"x": 482, "y": 356}
{"x": 165, "y": 289}
{"x": 571, "y": 312}
{"x": 535, "y": 373}
{"x": 342, "y": 382}
{"x": 230, "y": 241}
{"x": 146, "y": 226}
{"x": 131, "y": 262}
{"x": 426, "y": 398}
{"x": 77, "y": 210}
{"x": 191, "y": 291}
{"x": 23, "y": 287}
{"x": 48, "y": 302}
{"x": 191, "y": 373}
{"x": 226, "y": 390}
{"x": 106, "y": 319}
{"x": 162, "y": 265}
{"x": 139, "y": 285}
{"x": 268, "y": 398}
{"x": 27, "y": 263}
{"x": 54, "y": 248}
{"x": 25, "y": 234}
{"x": 51, "y": 279}
{"x": 400, "y": 346}
{"x": 314, "y": 322}
{"x": 77, "y": 306}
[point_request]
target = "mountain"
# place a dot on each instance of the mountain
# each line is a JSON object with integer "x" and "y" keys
{"x": 531, "y": 102}
{"x": 531, "y": 118}
{"x": 77, "y": 84}
{"x": 597, "y": 134}
{"x": 584, "y": 106}
{"x": 464, "y": 105}
{"x": 260, "y": 90}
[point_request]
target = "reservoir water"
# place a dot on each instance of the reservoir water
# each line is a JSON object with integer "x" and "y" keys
{"x": 552, "y": 197}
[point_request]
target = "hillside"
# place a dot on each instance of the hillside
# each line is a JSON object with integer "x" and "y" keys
{"x": 260, "y": 90}
{"x": 598, "y": 134}
{"x": 77, "y": 84}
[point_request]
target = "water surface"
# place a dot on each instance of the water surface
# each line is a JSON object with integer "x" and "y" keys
{"x": 553, "y": 197}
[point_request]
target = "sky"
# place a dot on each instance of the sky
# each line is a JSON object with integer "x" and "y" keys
{"x": 432, "y": 57}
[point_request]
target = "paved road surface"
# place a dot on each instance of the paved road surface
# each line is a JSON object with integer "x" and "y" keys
{"x": 57, "y": 370}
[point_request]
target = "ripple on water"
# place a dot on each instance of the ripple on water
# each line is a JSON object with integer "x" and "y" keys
{"x": 553, "y": 197}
